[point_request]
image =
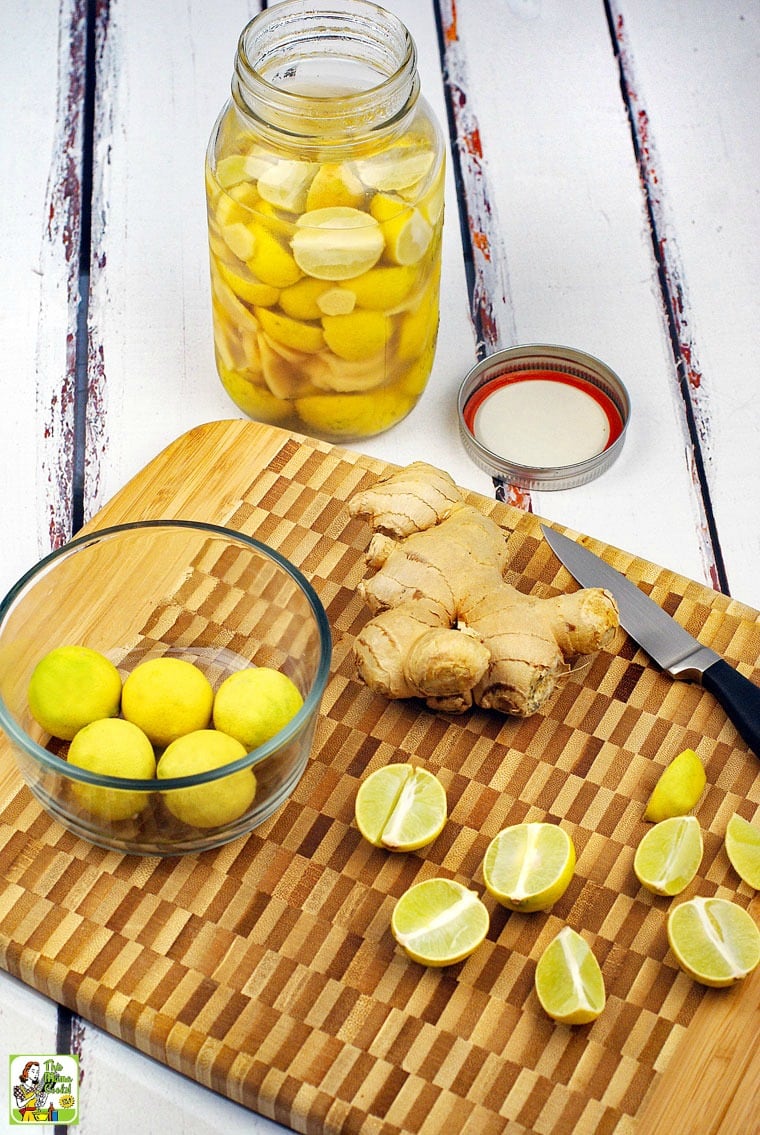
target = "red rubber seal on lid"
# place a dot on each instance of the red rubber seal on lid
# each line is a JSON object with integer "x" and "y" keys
{"x": 614, "y": 420}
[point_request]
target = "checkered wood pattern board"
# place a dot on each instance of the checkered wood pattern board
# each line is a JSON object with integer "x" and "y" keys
{"x": 267, "y": 971}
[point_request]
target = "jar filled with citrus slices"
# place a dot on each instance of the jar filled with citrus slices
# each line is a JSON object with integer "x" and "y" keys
{"x": 324, "y": 180}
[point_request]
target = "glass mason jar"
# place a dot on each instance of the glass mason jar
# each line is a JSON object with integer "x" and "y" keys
{"x": 324, "y": 180}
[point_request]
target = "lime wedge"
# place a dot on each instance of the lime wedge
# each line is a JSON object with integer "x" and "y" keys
{"x": 337, "y": 301}
{"x": 398, "y": 167}
{"x": 668, "y": 856}
{"x": 335, "y": 184}
{"x": 254, "y": 400}
{"x": 239, "y": 239}
{"x": 355, "y": 414}
{"x": 678, "y": 789}
{"x": 358, "y": 335}
{"x": 351, "y": 377}
{"x": 384, "y": 288}
{"x": 271, "y": 262}
{"x": 291, "y": 332}
{"x": 236, "y": 168}
{"x": 569, "y": 982}
{"x": 247, "y": 287}
{"x": 299, "y": 301}
{"x": 286, "y": 184}
{"x": 406, "y": 232}
{"x": 743, "y": 849}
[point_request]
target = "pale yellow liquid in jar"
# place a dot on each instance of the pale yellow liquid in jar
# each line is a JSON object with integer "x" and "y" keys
{"x": 325, "y": 279}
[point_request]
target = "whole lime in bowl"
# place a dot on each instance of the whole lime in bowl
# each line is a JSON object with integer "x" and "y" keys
{"x": 113, "y": 652}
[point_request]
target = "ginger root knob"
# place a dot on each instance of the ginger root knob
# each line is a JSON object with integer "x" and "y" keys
{"x": 447, "y": 627}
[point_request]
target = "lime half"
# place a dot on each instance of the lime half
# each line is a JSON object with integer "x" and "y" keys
{"x": 337, "y": 243}
{"x": 439, "y": 922}
{"x": 400, "y": 807}
{"x": 529, "y": 866}
{"x": 715, "y": 941}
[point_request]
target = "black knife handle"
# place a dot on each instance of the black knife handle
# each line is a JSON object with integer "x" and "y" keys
{"x": 739, "y": 697}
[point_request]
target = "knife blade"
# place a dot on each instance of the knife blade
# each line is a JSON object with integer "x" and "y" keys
{"x": 670, "y": 645}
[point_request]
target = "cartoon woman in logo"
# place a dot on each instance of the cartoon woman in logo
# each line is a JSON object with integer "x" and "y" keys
{"x": 31, "y": 1095}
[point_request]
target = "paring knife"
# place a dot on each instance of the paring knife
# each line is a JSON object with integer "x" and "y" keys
{"x": 672, "y": 647}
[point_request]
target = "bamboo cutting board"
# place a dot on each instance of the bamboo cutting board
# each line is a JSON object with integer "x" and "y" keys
{"x": 267, "y": 971}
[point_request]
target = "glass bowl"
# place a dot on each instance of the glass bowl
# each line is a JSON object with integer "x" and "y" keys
{"x": 189, "y": 590}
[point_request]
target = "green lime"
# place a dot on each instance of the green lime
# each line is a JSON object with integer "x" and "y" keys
{"x": 217, "y": 802}
{"x": 72, "y": 686}
{"x": 252, "y": 705}
{"x": 167, "y": 697}
{"x": 112, "y": 747}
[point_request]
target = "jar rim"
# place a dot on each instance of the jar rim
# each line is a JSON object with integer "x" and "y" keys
{"x": 348, "y": 27}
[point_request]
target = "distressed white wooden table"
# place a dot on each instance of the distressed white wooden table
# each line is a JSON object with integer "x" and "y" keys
{"x": 603, "y": 192}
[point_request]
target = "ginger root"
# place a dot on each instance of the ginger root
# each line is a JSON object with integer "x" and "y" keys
{"x": 446, "y": 625}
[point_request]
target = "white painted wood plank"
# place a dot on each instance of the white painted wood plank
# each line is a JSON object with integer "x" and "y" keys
{"x": 28, "y": 1022}
{"x": 697, "y": 79}
{"x": 565, "y": 188}
{"x": 40, "y": 156}
{"x": 162, "y": 81}
{"x": 40, "y": 146}
{"x": 159, "y": 75}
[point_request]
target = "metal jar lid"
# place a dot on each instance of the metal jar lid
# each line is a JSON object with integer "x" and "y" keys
{"x": 573, "y": 374}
